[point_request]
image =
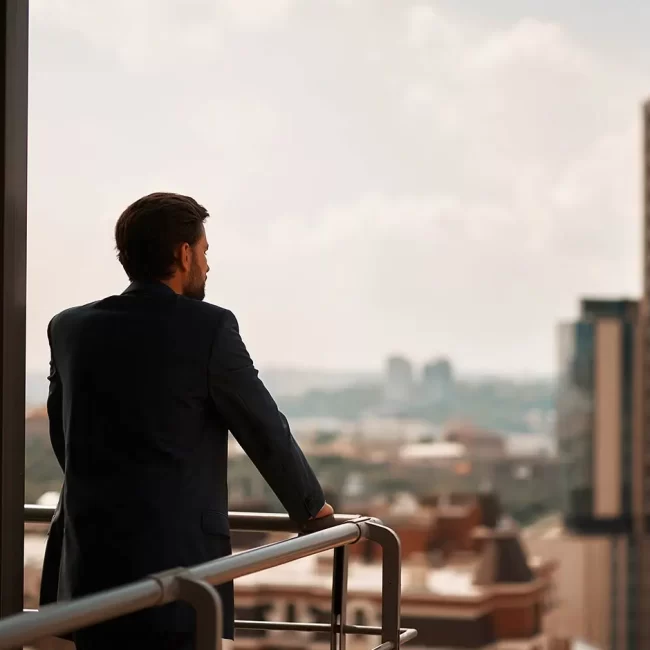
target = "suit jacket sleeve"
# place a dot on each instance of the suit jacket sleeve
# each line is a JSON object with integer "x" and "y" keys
{"x": 256, "y": 423}
{"x": 55, "y": 407}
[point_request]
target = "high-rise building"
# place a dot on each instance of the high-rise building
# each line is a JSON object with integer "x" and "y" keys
{"x": 437, "y": 381}
{"x": 595, "y": 416}
{"x": 399, "y": 380}
{"x": 598, "y": 427}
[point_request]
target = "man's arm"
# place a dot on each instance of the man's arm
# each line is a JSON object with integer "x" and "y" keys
{"x": 256, "y": 423}
{"x": 55, "y": 407}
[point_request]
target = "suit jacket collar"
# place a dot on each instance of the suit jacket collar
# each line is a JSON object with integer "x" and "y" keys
{"x": 156, "y": 288}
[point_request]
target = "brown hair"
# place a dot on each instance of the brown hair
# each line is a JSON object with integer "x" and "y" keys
{"x": 150, "y": 230}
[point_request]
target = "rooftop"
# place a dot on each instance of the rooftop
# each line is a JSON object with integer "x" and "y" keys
{"x": 548, "y": 527}
{"x": 433, "y": 450}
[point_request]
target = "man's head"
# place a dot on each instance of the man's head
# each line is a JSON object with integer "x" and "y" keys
{"x": 161, "y": 238}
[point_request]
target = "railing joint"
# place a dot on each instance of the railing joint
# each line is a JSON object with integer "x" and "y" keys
{"x": 169, "y": 583}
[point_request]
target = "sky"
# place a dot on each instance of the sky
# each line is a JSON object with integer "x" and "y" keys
{"x": 383, "y": 176}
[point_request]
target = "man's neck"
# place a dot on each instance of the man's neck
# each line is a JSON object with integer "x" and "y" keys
{"x": 174, "y": 284}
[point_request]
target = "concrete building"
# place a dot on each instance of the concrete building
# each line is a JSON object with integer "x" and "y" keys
{"x": 590, "y": 592}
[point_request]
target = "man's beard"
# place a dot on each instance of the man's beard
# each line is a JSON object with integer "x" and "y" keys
{"x": 195, "y": 288}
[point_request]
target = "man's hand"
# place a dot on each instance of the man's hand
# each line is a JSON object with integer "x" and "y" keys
{"x": 316, "y": 523}
{"x": 325, "y": 511}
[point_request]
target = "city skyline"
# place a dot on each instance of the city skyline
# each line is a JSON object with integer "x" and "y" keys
{"x": 382, "y": 173}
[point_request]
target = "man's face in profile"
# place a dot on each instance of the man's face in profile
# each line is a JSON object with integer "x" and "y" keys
{"x": 198, "y": 274}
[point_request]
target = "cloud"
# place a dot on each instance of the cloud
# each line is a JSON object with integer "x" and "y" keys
{"x": 139, "y": 33}
{"x": 425, "y": 26}
{"x": 256, "y": 14}
{"x": 151, "y": 33}
{"x": 532, "y": 42}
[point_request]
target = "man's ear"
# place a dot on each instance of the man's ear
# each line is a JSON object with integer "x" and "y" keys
{"x": 184, "y": 257}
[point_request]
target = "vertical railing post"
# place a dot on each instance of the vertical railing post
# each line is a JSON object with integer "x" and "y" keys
{"x": 339, "y": 597}
{"x": 391, "y": 580}
{"x": 180, "y": 584}
{"x": 209, "y": 612}
{"x": 13, "y": 235}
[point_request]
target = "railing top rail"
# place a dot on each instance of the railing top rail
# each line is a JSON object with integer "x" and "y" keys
{"x": 239, "y": 521}
{"x": 60, "y": 618}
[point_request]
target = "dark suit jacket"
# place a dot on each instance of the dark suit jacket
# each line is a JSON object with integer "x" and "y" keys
{"x": 144, "y": 387}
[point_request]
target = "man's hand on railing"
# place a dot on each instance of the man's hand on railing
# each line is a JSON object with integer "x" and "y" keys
{"x": 325, "y": 511}
{"x": 323, "y": 519}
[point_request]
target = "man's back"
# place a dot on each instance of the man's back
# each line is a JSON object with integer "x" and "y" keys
{"x": 136, "y": 400}
{"x": 145, "y": 451}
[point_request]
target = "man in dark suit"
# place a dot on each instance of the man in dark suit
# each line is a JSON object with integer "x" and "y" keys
{"x": 144, "y": 387}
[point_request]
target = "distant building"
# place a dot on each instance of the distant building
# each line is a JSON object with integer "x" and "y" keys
{"x": 398, "y": 389}
{"x": 522, "y": 468}
{"x": 479, "y": 442}
{"x": 36, "y": 423}
{"x": 437, "y": 381}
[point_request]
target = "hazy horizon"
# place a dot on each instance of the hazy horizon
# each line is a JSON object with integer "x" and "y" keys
{"x": 285, "y": 381}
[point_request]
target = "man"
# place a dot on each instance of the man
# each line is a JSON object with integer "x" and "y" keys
{"x": 144, "y": 388}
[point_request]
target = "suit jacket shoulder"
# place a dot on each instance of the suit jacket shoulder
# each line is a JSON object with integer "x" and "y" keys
{"x": 196, "y": 309}
{"x": 68, "y": 315}
{"x": 202, "y": 309}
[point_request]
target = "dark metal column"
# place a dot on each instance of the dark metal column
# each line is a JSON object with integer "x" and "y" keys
{"x": 13, "y": 235}
{"x": 339, "y": 598}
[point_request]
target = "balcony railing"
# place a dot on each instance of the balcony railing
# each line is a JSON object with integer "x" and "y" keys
{"x": 193, "y": 585}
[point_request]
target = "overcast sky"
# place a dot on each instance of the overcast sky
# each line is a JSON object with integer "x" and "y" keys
{"x": 383, "y": 175}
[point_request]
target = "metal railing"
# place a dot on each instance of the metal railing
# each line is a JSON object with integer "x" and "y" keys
{"x": 194, "y": 585}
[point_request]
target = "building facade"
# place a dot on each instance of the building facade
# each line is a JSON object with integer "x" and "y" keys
{"x": 597, "y": 428}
